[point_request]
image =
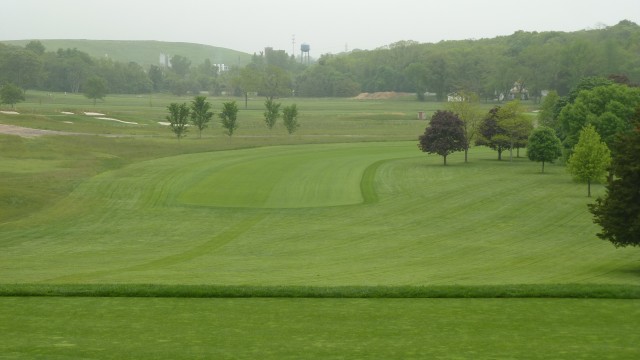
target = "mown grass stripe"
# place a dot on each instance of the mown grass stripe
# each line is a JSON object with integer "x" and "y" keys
{"x": 591, "y": 291}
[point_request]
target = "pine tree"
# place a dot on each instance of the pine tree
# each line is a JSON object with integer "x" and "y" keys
{"x": 618, "y": 213}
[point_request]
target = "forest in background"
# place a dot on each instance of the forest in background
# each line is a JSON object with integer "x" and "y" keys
{"x": 522, "y": 65}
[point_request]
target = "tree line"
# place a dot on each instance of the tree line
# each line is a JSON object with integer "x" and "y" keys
{"x": 596, "y": 127}
{"x": 522, "y": 65}
{"x": 536, "y": 61}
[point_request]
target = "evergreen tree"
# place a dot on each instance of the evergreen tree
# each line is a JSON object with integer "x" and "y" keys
{"x": 618, "y": 213}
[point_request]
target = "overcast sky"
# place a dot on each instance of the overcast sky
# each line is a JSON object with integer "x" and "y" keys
{"x": 328, "y": 26}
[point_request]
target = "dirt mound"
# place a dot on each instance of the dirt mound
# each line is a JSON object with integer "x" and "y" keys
{"x": 379, "y": 95}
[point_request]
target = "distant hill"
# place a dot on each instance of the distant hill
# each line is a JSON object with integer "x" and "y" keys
{"x": 145, "y": 53}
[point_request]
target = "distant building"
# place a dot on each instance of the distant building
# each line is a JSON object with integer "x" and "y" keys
{"x": 221, "y": 68}
{"x": 165, "y": 60}
{"x": 519, "y": 91}
{"x": 455, "y": 97}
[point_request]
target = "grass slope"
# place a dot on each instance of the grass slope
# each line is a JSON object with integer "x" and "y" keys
{"x": 144, "y": 52}
{"x": 164, "y": 221}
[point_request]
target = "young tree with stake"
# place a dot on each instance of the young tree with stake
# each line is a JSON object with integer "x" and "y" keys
{"x": 178, "y": 118}
{"x": 229, "y": 117}
{"x": 200, "y": 114}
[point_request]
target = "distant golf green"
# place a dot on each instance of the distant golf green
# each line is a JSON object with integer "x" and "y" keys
{"x": 286, "y": 177}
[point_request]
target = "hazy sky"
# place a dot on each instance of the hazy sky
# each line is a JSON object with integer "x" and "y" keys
{"x": 329, "y": 26}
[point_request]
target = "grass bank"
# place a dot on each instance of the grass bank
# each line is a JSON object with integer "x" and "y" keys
{"x": 579, "y": 291}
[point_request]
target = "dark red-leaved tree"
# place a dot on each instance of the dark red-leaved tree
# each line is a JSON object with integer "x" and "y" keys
{"x": 444, "y": 135}
{"x": 492, "y": 134}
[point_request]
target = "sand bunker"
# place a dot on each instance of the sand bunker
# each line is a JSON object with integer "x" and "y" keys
{"x": 67, "y": 113}
{"x": 380, "y": 95}
{"x": 120, "y": 121}
{"x": 10, "y": 112}
{"x": 93, "y": 114}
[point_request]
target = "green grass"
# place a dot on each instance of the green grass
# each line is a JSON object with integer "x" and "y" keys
{"x": 116, "y": 328}
{"x": 591, "y": 291}
{"x": 482, "y": 223}
{"x": 352, "y": 258}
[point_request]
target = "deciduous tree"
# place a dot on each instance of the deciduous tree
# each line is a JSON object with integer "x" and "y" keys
{"x": 11, "y": 94}
{"x": 544, "y": 146}
{"x": 200, "y": 114}
{"x": 229, "y": 117}
{"x": 178, "y": 119}
{"x": 609, "y": 108}
{"x": 546, "y": 115}
{"x": 444, "y": 135}
{"x": 95, "y": 88}
{"x": 468, "y": 110}
{"x": 272, "y": 113}
{"x": 618, "y": 213}
{"x": 590, "y": 158}
{"x": 491, "y": 134}
{"x": 290, "y": 118}
{"x": 517, "y": 127}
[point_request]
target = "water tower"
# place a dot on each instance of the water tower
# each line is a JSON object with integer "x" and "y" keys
{"x": 304, "y": 48}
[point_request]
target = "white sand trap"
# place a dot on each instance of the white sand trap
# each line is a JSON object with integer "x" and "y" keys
{"x": 120, "y": 121}
{"x": 93, "y": 114}
{"x": 10, "y": 112}
{"x": 68, "y": 122}
{"x": 67, "y": 113}
{"x": 167, "y": 123}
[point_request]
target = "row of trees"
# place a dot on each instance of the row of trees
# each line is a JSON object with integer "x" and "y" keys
{"x": 596, "y": 127}
{"x": 487, "y": 67}
{"x": 199, "y": 113}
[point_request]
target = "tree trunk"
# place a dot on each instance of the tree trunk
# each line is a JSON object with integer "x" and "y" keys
{"x": 511, "y": 152}
{"x": 246, "y": 100}
{"x": 499, "y": 154}
{"x": 445, "y": 159}
{"x": 543, "y": 166}
{"x": 588, "y": 187}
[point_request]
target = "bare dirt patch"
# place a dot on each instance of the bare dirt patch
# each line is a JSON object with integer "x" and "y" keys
{"x": 380, "y": 95}
{"x": 28, "y": 132}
